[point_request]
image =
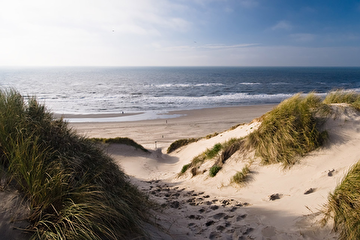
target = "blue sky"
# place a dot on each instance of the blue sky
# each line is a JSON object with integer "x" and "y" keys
{"x": 179, "y": 33}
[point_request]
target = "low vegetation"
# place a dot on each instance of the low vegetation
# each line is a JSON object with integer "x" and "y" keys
{"x": 73, "y": 189}
{"x": 229, "y": 148}
{"x": 341, "y": 96}
{"x": 120, "y": 140}
{"x": 344, "y": 206}
{"x": 221, "y": 150}
{"x": 185, "y": 168}
{"x": 211, "y": 135}
{"x": 198, "y": 160}
{"x": 179, "y": 143}
{"x": 214, "y": 170}
{"x": 289, "y": 130}
{"x": 241, "y": 177}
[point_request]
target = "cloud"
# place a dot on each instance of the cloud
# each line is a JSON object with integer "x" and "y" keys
{"x": 303, "y": 37}
{"x": 282, "y": 25}
{"x": 206, "y": 47}
{"x": 223, "y": 46}
{"x": 141, "y": 17}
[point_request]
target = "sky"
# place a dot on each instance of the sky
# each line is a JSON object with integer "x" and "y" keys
{"x": 180, "y": 33}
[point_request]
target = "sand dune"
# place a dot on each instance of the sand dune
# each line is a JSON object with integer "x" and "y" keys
{"x": 276, "y": 203}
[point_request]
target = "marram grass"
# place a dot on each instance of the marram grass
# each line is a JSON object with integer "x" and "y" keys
{"x": 344, "y": 206}
{"x": 73, "y": 189}
{"x": 121, "y": 140}
{"x": 179, "y": 143}
{"x": 341, "y": 96}
{"x": 241, "y": 176}
{"x": 214, "y": 170}
{"x": 288, "y": 131}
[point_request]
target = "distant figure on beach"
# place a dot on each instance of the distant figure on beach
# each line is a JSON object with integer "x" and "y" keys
{"x": 122, "y": 112}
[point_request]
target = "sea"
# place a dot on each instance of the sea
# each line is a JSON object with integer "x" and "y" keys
{"x": 156, "y": 90}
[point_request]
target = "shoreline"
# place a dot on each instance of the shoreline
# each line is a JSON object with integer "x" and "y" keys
{"x": 161, "y": 132}
{"x": 144, "y": 115}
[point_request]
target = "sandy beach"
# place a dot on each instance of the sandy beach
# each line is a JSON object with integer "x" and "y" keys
{"x": 276, "y": 203}
{"x": 191, "y": 124}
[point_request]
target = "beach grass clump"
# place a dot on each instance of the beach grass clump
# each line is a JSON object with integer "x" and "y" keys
{"x": 289, "y": 130}
{"x": 120, "y": 140}
{"x": 344, "y": 206}
{"x": 74, "y": 190}
{"x": 185, "y": 168}
{"x": 342, "y": 96}
{"x": 211, "y": 135}
{"x": 229, "y": 148}
{"x": 199, "y": 159}
{"x": 241, "y": 176}
{"x": 179, "y": 143}
{"x": 211, "y": 153}
{"x": 214, "y": 170}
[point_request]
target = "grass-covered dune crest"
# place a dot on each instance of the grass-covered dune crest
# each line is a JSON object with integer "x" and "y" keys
{"x": 73, "y": 189}
{"x": 290, "y": 130}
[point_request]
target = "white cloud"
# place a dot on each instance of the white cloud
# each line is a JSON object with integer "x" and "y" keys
{"x": 41, "y": 32}
{"x": 282, "y": 25}
{"x": 207, "y": 47}
{"x": 223, "y": 46}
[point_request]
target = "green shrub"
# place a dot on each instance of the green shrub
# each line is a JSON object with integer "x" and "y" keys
{"x": 120, "y": 140}
{"x": 344, "y": 206}
{"x": 179, "y": 143}
{"x": 289, "y": 130}
{"x": 74, "y": 190}
{"x": 214, "y": 170}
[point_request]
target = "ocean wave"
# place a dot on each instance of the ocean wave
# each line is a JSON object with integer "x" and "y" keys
{"x": 187, "y": 85}
{"x": 221, "y": 99}
{"x": 249, "y": 83}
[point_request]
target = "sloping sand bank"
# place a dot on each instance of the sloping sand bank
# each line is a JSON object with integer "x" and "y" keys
{"x": 275, "y": 203}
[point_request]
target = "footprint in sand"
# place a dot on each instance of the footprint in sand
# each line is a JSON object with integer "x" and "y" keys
{"x": 218, "y": 216}
{"x": 311, "y": 190}
{"x": 275, "y": 196}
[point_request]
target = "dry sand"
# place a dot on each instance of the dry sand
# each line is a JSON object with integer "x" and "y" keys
{"x": 192, "y": 123}
{"x": 274, "y": 204}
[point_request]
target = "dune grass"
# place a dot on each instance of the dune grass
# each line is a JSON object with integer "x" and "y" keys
{"x": 241, "y": 177}
{"x": 179, "y": 143}
{"x": 73, "y": 189}
{"x": 120, "y": 140}
{"x": 289, "y": 130}
{"x": 199, "y": 159}
{"x": 214, "y": 170}
{"x": 341, "y": 96}
{"x": 344, "y": 206}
